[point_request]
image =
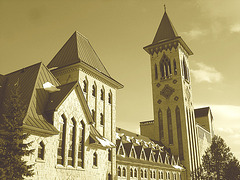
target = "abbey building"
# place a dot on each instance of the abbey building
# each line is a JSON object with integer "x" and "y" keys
{"x": 71, "y": 115}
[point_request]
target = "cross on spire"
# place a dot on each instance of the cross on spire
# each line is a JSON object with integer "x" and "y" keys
{"x": 165, "y": 9}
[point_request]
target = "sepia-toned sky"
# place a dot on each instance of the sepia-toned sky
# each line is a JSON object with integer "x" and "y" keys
{"x": 33, "y": 31}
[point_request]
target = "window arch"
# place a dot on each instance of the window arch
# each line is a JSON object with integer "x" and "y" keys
{"x": 95, "y": 159}
{"x": 170, "y": 130}
{"x": 71, "y": 141}
{"x": 160, "y": 121}
{"x": 156, "y": 72}
{"x": 61, "y": 141}
{"x": 119, "y": 171}
{"x": 165, "y": 67}
{"x": 124, "y": 172}
{"x": 81, "y": 135}
{"x": 41, "y": 150}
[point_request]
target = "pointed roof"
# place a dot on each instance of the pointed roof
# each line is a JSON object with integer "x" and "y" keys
{"x": 166, "y": 30}
{"x": 77, "y": 50}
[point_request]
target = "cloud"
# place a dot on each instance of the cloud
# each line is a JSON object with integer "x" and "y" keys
{"x": 235, "y": 28}
{"x": 205, "y": 73}
{"x": 194, "y": 33}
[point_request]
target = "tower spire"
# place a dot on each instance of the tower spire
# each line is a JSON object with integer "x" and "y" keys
{"x": 165, "y": 9}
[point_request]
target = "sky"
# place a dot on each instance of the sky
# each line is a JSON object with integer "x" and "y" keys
{"x": 34, "y": 31}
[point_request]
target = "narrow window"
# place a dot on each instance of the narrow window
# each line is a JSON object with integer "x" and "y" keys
{"x": 93, "y": 115}
{"x": 109, "y": 155}
{"x": 81, "y": 145}
{"x": 166, "y": 69}
{"x": 41, "y": 149}
{"x": 185, "y": 70}
{"x": 131, "y": 172}
{"x": 101, "y": 119}
{"x": 151, "y": 175}
{"x": 161, "y": 175}
{"x": 102, "y": 94}
{"x": 61, "y": 140}
{"x": 179, "y": 133}
{"x": 84, "y": 86}
{"x": 119, "y": 171}
{"x": 71, "y": 142}
{"x": 170, "y": 130}
{"x": 162, "y": 70}
{"x": 169, "y": 67}
{"x": 94, "y": 91}
{"x": 141, "y": 173}
{"x": 154, "y": 174}
{"x": 95, "y": 159}
{"x": 124, "y": 172}
{"x": 175, "y": 67}
{"x": 135, "y": 172}
{"x": 160, "y": 121}
{"x": 156, "y": 73}
{"x": 145, "y": 174}
{"x": 109, "y": 98}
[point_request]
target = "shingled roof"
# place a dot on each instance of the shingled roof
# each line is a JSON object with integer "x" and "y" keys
{"x": 77, "y": 50}
{"x": 166, "y": 30}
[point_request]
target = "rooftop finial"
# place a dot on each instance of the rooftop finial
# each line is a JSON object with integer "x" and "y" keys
{"x": 165, "y": 9}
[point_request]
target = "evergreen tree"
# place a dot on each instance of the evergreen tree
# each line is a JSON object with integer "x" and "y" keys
{"x": 232, "y": 171}
{"x": 12, "y": 146}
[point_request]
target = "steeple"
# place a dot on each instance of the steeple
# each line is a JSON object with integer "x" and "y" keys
{"x": 166, "y": 30}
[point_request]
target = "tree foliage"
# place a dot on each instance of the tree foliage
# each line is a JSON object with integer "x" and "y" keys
{"x": 12, "y": 145}
{"x": 218, "y": 163}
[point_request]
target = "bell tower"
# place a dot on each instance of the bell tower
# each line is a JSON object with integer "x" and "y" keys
{"x": 174, "y": 120}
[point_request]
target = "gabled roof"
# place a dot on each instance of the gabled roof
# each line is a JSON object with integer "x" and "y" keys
{"x": 127, "y": 148}
{"x": 166, "y": 30}
{"x": 77, "y": 50}
{"x": 138, "y": 150}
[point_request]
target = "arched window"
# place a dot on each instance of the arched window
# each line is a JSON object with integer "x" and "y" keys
{"x": 135, "y": 172}
{"x": 161, "y": 175}
{"x": 81, "y": 145}
{"x": 61, "y": 141}
{"x": 71, "y": 142}
{"x": 93, "y": 90}
{"x": 41, "y": 149}
{"x": 151, "y": 175}
{"x": 156, "y": 72}
{"x": 109, "y": 155}
{"x": 141, "y": 173}
{"x": 110, "y": 98}
{"x": 93, "y": 115}
{"x": 154, "y": 174}
{"x": 175, "y": 67}
{"x": 179, "y": 133}
{"x": 145, "y": 173}
{"x": 124, "y": 172}
{"x": 170, "y": 130}
{"x": 102, "y": 94}
{"x": 84, "y": 86}
{"x": 119, "y": 171}
{"x": 101, "y": 119}
{"x": 131, "y": 172}
{"x": 165, "y": 67}
{"x": 160, "y": 121}
{"x": 95, "y": 159}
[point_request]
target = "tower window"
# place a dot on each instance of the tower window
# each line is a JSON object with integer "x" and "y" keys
{"x": 41, "y": 149}
{"x": 160, "y": 121}
{"x": 170, "y": 130}
{"x": 95, "y": 159}
{"x": 71, "y": 142}
{"x": 84, "y": 86}
{"x": 102, "y": 94}
{"x": 81, "y": 145}
{"x": 165, "y": 67}
{"x": 101, "y": 119}
{"x": 124, "y": 172}
{"x": 156, "y": 72}
{"x": 185, "y": 70}
{"x": 61, "y": 141}
{"x": 119, "y": 171}
{"x": 94, "y": 91}
{"x": 175, "y": 67}
{"x": 109, "y": 98}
